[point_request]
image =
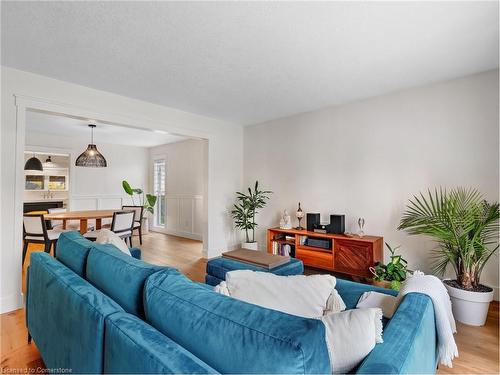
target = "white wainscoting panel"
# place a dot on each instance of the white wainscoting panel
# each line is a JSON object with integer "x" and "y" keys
{"x": 82, "y": 203}
{"x": 184, "y": 216}
{"x": 95, "y": 202}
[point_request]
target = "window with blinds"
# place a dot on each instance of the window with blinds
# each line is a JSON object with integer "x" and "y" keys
{"x": 159, "y": 191}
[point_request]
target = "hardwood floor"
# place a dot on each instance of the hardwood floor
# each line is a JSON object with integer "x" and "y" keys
{"x": 478, "y": 346}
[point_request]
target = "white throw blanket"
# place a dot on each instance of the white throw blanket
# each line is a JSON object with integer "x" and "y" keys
{"x": 445, "y": 322}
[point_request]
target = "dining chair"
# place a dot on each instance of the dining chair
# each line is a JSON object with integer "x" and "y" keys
{"x": 70, "y": 224}
{"x": 35, "y": 231}
{"x": 122, "y": 224}
{"x": 139, "y": 210}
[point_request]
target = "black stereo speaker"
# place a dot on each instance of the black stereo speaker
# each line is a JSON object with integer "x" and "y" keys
{"x": 312, "y": 220}
{"x": 337, "y": 224}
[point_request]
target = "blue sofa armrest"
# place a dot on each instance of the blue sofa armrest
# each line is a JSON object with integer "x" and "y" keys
{"x": 135, "y": 252}
{"x": 65, "y": 316}
{"x": 409, "y": 340}
{"x": 133, "y": 346}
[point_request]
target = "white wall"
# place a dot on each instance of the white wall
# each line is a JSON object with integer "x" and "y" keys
{"x": 366, "y": 159}
{"x": 98, "y": 188}
{"x": 186, "y": 184}
{"x": 224, "y": 157}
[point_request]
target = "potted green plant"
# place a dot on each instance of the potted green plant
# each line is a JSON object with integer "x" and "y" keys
{"x": 390, "y": 275}
{"x": 465, "y": 227}
{"x": 244, "y": 211}
{"x": 148, "y": 201}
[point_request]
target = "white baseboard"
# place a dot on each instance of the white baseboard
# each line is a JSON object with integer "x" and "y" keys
{"x": 11, "y": 302}
{"x": 226, "y": 248}
{"x": 178, "y": 233}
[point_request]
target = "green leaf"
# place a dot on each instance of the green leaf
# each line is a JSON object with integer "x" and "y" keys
{"x": 137, "y": 191}
{"x": 151, "y": 199}
{"x": 396, "y": 285}
{"x": 127, "y": 188}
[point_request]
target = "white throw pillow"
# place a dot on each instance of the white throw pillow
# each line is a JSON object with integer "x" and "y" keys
{"x": 306, "y": 296}
{"x": 351, "y": 335}
{"x": 106, "y": 236}
{"x": 386, "y": 302}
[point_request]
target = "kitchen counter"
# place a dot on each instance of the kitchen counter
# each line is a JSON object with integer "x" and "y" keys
{"x": 42, "y": 205}
{"x": 45, "y": 200}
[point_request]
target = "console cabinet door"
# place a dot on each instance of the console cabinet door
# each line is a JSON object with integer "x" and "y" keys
{"x": 317, "y": 259}
{"x": 352, "y": 257}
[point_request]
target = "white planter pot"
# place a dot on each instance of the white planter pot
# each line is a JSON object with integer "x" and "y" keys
{"x": 469, "y": 307}
{"x": 145, "y": 225}
{"x": 250, "y": 245}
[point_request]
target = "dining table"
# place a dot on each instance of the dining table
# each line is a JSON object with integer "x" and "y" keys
{"x": 83, "y": 217}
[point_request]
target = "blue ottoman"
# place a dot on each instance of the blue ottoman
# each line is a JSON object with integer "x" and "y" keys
{"x": 218, "y": 267}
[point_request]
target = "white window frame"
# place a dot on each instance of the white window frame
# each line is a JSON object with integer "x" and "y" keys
{"x": 155, "y": 160}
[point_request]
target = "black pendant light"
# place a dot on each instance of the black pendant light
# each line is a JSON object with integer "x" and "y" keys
{"x": 91, "y": 157}
{"x": 33, "y": 164}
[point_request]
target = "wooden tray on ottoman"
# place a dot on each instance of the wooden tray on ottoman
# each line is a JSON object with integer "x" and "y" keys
{"x": 257, "y": 258}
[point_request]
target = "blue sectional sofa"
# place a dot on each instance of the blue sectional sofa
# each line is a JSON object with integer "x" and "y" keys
{"x": 95, "y": 309}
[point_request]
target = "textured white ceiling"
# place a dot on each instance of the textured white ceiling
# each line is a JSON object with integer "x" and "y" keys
{"x": 248, "y": 62}
{"x": 104, "y": 133}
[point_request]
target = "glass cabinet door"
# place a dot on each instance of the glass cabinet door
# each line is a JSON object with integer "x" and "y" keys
{"x": 34, "y": 182}
{"x": 57, "y": 182}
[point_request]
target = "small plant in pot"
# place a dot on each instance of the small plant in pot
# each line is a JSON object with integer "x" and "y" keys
{"x": 390, "y": 275}
{"x": 465, "y": 227}
{"x": 244, "y": 211}
{"x": 148, "y": 201}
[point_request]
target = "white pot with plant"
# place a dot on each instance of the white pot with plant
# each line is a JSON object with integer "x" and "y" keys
{"x": 465, "y": 227}
{"x": 147, "y": 201}
{"x": 244, "y": 211}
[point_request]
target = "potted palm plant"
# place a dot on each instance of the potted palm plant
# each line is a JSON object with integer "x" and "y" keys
{"x": 244, "y": 211}
{"x": 465, "y": 227}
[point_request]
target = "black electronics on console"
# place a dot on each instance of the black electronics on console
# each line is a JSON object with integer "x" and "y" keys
{"x": 319, "y": 243}
{"x": 337, "y": 224}
{"x": 312, "y": 220}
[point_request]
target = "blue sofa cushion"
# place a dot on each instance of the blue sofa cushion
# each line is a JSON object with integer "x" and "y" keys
{"x": 120, "y": 276}
{"x": 212, "y": 280}
{"x": 65, "y": 316}
{"x": 72, "y": 251}
{"x": 133, "y": 346}
{"x": 232, "y": 336}
{"x": 218, "y": 267}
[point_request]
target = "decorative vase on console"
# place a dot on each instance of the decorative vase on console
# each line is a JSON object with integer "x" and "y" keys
{"x": 361, "y": 225}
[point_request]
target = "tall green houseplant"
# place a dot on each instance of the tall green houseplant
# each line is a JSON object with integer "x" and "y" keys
{"x": 246, "y": 207}
{"x": 148, "y": 201}
{"x": 464, "y": 225}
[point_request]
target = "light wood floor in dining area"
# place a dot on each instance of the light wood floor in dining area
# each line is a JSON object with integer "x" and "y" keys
{"x": 478, "y": 346}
